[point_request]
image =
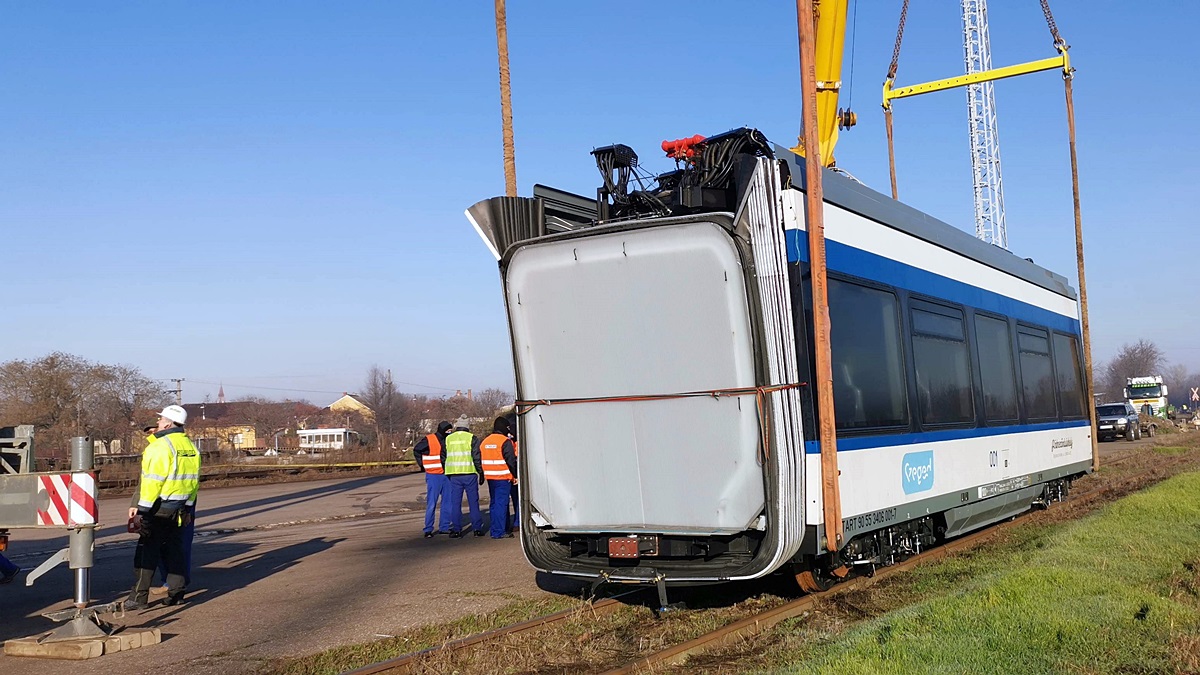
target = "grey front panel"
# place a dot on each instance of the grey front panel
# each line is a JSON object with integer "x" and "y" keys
{"x": 635, "y": 313}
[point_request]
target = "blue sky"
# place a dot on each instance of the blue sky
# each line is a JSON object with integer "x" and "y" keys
{"x": 270, "y": 195}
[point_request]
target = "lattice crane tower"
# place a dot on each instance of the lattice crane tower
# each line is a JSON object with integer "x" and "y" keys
{"x": 985, "y": 141}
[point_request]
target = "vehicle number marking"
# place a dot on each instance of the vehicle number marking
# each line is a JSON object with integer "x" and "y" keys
{"x": 993, "y": 489}
{"x": 869, "y": 520}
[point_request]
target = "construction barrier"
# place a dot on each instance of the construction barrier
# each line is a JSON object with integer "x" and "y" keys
{"x": 53, "y": 500}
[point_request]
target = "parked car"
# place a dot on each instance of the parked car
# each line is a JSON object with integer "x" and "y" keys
{"x": 1117, "y": 419}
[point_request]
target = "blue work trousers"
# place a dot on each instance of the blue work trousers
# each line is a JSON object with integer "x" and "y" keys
{"x": 498, "y": 491}
{"x": 460, "y": 483}
{"x": 515, "y": 522}
{"x": 7, "y": 568}
{"x": 435, "y": 491}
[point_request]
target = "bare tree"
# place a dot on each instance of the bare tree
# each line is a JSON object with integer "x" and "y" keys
{"x": 1179, "y": 381}
{"x": 490, "y": 402}
{"x": 269, "y": 417}
{"x": 393, "y": 410}
{"x": 1143, "y": 358}
{"x": 64, "y": 395}
{"x": 116, "y": 397}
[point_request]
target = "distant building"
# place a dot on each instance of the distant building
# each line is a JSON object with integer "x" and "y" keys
{"x": 349, "y": 403}
{"x": 321, "y": 440}
{"x": 220, "y": 426}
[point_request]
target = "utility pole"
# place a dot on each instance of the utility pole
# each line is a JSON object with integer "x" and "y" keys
{"x": 814, "y": 214}
{"x": 510, "y": 161}
{"x": 178, "y": 390}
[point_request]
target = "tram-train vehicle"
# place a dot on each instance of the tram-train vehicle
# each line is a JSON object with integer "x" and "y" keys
{"x": 663, "y": 343}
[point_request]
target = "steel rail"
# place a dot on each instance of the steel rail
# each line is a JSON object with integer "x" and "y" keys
{"x": 404, "y": 663}
{"x": 752, "y": 625}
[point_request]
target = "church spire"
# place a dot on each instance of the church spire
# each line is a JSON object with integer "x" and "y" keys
{"x": 221, "y": 394}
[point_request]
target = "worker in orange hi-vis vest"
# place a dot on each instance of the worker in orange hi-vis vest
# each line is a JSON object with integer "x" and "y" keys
{"x": 499, "y": 459}
{"x": 514, "y": 523}
{"x": 430, "y": 454}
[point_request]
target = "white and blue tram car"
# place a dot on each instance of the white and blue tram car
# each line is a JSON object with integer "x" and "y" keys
{"x": 662, "y": 339}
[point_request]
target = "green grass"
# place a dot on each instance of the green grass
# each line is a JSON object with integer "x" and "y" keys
{"x": 1118, "y": 592}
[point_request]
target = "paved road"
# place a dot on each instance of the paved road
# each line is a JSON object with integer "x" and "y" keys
{"x": 282, "y": 570}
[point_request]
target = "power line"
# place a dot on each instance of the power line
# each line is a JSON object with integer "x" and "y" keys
{"x": 253, "y": 386}
{"x": 313, "y": 391}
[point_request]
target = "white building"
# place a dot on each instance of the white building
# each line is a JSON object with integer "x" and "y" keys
{"x": 319, "y": 440}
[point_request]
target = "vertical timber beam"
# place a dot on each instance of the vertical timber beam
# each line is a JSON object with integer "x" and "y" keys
{"x": 1083, "y": 302}
{"x": 510, "y": 161}
{"x": 815, "y": 222}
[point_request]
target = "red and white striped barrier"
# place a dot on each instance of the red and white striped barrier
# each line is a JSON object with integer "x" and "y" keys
{"x": 72, "y": 499}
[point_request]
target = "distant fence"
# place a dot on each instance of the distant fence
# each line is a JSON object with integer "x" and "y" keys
{"x": 115, "y": 476}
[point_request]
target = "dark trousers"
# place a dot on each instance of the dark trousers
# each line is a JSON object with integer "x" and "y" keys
{"x": 498, "y": 506}
{"x": 160, "y": 542}
{"x": 463, "y": 483}
{"x": 187, "y": 533}
{"x": 515, "y": 523}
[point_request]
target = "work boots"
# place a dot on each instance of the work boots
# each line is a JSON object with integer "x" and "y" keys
{"x": 139, "y": 597}
{"x": 175, "y": 589}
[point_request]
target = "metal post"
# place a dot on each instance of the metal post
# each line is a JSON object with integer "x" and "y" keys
{"x": 81, "y": 622}
{"x": 82, "y": 538}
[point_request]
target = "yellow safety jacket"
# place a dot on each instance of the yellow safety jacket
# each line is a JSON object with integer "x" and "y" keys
{"x": 462, "y": 457}
{"x": 170, "y": 473}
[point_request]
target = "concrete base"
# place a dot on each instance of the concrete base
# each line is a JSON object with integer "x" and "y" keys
{"x": 85, "y": 648}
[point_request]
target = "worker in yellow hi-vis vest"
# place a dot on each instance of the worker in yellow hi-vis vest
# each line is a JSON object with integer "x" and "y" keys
{"x": 464, "y": 471}
{"x": 169, "y": 484}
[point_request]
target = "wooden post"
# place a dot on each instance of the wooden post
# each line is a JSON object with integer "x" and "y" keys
{"x": 1083, "y": 303}
{"x": 815, "y": 223}
{"x": 510, "y": 161}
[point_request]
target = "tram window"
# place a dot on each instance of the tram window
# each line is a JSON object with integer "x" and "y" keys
{"x": 943, "y": 367}
{"x": 1037, "y": 375}
{"x": 1066, "y": 367}
{"x": 996, "y": 368}
{"x": 868, "y": 360}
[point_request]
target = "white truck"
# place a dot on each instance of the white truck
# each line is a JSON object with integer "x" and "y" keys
{"x": 1147, "y": 391}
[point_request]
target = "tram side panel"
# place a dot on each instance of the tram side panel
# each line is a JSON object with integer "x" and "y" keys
{"x": 920, "y": 431}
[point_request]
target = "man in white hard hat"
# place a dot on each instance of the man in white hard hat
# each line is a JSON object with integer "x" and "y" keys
{"x": 169, "y": 484}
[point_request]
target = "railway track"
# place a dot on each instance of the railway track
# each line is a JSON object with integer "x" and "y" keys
{"x": 758, "y": 622}
{"x": 409, "y": 662}
{"x": 226, "y": 472}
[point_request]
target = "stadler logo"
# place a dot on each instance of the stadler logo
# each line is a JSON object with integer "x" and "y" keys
{"x": 918, "y": 471}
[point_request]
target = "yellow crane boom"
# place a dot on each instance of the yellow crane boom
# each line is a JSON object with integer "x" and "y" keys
{"x": 829, "y": 18}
